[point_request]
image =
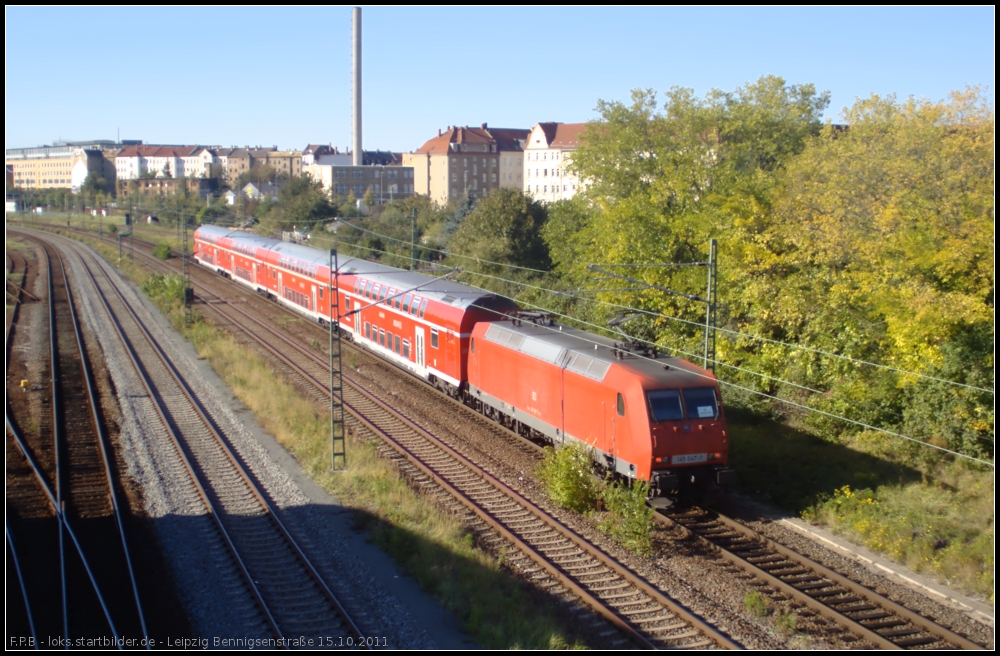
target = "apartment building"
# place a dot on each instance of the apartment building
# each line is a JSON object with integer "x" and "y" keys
{"x": 466, "y": 161}
{"x": 63, "y": 165}
{"x": 137, "y": 162}
{"x": 547, "y": 155}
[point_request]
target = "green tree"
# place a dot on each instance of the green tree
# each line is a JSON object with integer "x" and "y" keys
{"x": 369, "y": 198}
{"x": 891, "y": 223}
{"x": 302, "y": 203}
{"x": 659, "y": 183}
{"x": 504, "y": 227}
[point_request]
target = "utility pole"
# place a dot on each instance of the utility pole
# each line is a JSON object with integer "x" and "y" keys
{"x": 188, "y": 291}
{"x": 710, "y": 297}
{"x": 711, "y": 302}
{"x": 337, "y": 435}
{"x": 413, "y": 240}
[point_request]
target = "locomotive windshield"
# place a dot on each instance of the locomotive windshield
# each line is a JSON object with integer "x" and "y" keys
{"x": 701, "y": 404}
{"x": 665, "y": 405}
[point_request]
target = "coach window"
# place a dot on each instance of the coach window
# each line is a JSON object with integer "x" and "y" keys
{"x": 388, "y": 340}
{"x": 423, "y": 306}
{"x": 368, "y": 330}
{"x": 321, "y": 293}
{"x": 375, "y": 292}
{"x": 381, "y": 337}
{"x": 413, "y": 308}
{"x": 382, "y": 293}
{"x": 621, "y": 405}
{"x": 397, "y": 344}
{"x": 406, "y": 349}
{"x": 368, "y": 289}
{"x": 357, "y": 283}
{"x": 347, "y": 304}
{"x": 434, "y": 337}
{"x": 395, "y": 302}
{"x": 406, "y": 302}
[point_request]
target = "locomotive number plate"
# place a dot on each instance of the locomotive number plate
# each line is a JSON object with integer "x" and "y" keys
{"x": 689, "y": 458}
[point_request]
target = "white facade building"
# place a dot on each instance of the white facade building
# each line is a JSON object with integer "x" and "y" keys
{"x": 546, "y": 160}
{"x": 165, "y": 162}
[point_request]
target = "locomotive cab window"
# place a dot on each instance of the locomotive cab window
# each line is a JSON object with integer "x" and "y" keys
{"x": 665, "y": 405}
{"x": 701, "y": 403}
{"x": 472, "y": 344}
{"x": 434, "y": 337}
{"x": 621, "y": 405}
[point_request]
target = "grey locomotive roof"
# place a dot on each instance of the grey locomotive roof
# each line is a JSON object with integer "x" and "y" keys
{"x": 586, "y": 353}
{"x": 445, "y": 291}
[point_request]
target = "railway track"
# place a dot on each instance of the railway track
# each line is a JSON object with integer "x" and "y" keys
{"x": 62, "y": 498}
{"x": 860, "y": 610}
{"x": 291, "y": 598}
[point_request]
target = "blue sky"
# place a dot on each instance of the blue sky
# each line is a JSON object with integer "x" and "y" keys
{"x": 281, "y": 76}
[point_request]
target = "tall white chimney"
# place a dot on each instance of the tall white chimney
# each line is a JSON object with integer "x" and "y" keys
{"x": 356, "y": 84}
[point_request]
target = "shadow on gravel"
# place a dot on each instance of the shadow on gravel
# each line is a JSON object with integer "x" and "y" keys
{"x": 792, "y": 469}
{"x": 488, "y": 602}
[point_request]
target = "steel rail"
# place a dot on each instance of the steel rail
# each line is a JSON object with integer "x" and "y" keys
{"x": 237, "y": 466}
{"x": 59, "y": 441}
{"x": 12, "y": 321}
{"x": 104, "y": 442}
{"x": 59, "y": 513}
{"x": 756, "y": 544}
{"x": 20, "y": 583}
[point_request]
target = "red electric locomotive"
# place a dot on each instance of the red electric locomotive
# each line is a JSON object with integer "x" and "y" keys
{"x": 659, "y": 419}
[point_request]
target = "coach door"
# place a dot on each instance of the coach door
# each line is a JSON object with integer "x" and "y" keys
{"x": 420, "y": 348}
{"x": 357, "y": 321}
{"x": 315, "y": 308}
{"x": 281, "y": 287}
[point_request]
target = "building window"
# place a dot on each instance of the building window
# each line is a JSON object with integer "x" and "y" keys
{"x": 494, "y": 178}
{"x": 454, "y": 177}
{"x": 357, "y": 173}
